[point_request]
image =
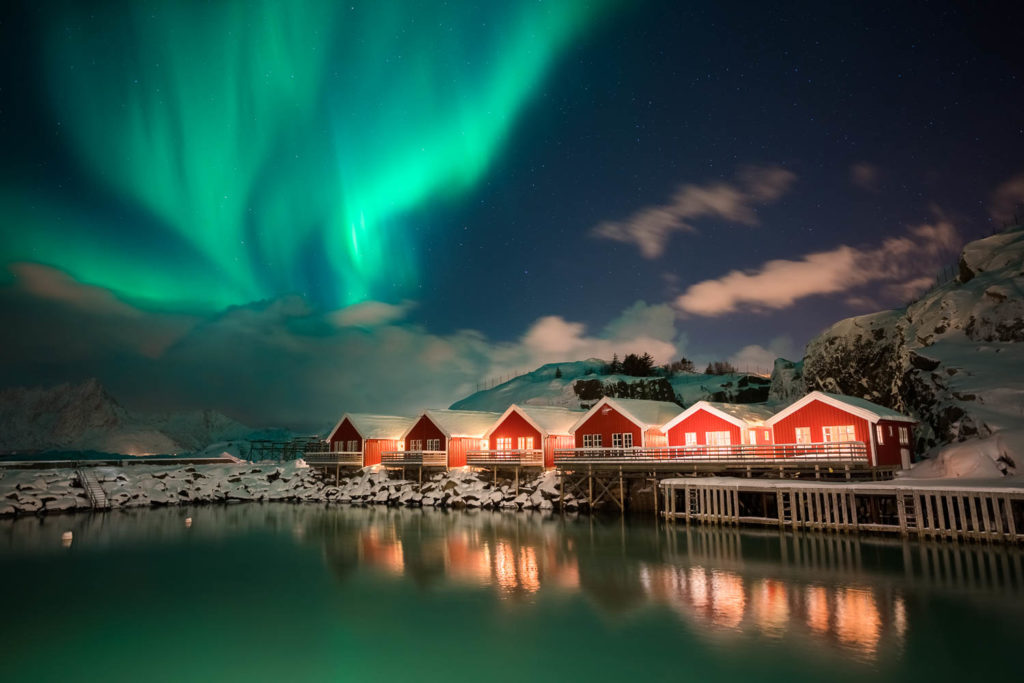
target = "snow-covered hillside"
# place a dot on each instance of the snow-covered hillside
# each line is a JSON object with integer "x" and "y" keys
{"x": 86, "y": 417}
{"x": 954, "y": 359}
{"x": 576, "y": 388}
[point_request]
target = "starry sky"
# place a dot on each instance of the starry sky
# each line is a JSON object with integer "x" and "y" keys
{"x": 286, "y": 210}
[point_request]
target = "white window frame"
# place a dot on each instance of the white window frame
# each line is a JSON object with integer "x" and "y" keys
{"x": 879, "y": 432}
{"x": 627, "y": 439}
{"x": 753, "y": 436}
{"x": 591, "y": 440}
{"x": 416, "y": 445}
{"x": 904, "y": 436}
{"x": 433, "y": 444}
{"x": 525, "y": 443}
{"x": 838, "y": 433}
{"x": 617, "y": 440}
{"x": 718, "y": 438}
{"x": 802, "y": 435}
{"x": 690, "y": 438}
{"x": 484, "y": 445}
{"x": 503, "y": 443}
{"x": 352, "y": 445}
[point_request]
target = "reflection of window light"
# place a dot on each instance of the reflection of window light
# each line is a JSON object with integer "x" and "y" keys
{"x": 858, "y": 623}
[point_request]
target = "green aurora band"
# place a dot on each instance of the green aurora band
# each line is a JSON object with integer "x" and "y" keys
{"x": 259, "y": 148}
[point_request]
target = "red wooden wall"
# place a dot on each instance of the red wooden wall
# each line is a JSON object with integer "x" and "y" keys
{"x": 701, "y": 422}
{"x": 608, "y": 421}
{"x": 816, "y": 415}
{"x": 344, "y": 433}
{"x": 514, "y": 426}
{"x": 888, "y": 452}
{"x": 424, "y": 429}
{"x": 458, "y": 446}
{"x": 553, "y": 443}
{"x": 374, "y": 447}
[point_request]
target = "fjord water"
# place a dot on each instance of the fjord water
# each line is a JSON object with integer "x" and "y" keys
{"x": 280, "y": 592}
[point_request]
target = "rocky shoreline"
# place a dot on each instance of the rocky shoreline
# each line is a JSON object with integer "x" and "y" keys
{"x": 25, "y": 492}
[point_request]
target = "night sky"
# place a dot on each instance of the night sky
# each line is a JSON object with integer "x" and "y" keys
{"x": 286, "y": 210}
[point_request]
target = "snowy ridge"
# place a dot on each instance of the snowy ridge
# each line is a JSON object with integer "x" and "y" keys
{"x": 85, "y": 417}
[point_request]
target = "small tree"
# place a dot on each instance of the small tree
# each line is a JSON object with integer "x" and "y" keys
{"x": 719, "y": 367}
{"x": 615, "y": 367}
{"x": 558, "y": 373}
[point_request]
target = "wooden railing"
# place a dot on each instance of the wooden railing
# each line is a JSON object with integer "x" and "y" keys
{"x": 414, "y": 458}
{"x": 342, "y": 458}
{"x": 846, "y": 452}
{"x": 511, "y": 458}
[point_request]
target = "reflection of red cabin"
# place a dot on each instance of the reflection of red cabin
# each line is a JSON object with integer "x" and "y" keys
{"x": 452, "y": 431}
{"x": 719, "y": 424}
{"x": 368, "y": 434}
{"x": 624, "y": 423}
{"x": 820, "y": 418}
{"x": 533, "y": 427}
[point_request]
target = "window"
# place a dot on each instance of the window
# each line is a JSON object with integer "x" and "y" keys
{"x": 838, "y": 433}
{"x": 878, "y": 433}
{"x": 803, "y": 434}
{"x": 767, "y": 436}
{"x": 415, "y": 444}
{"x": 718, "y": 438}
{"x": 433, "y": 444}
{"x": 525, "y": 443}
{"x": 483, "y": 444}
{"x": 753, "y": 436}
{"x": 591, "y": 440}
{"x": 616, "y": 440}
{"x": 890, "y": 430}
{"x": 401, "y": 445}
{"x": 353, "y": 446}
{"x": 904, "y": 436}
{"x": 691, "y": 438}
{"x": 503, "y": 443}
{"x": 627, "y": 440}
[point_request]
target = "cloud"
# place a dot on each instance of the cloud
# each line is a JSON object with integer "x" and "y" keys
{"x": 759, "y": 359}
{"x": 370, "y": 314}
{"x": 902, "y": 264}
{"x": 650, "y": 227}
{"x": 283, "y": 362}
{"x": 1007, "y": 205}
{"x": 865, "y": 176}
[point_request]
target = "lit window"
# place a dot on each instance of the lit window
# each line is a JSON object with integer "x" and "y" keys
{"x": 525, "y": 443}
{"x": 904, "y": 435}
{"x": 803, "y": 434}
{"x": 416, "y": 445}
{"x": 433, "y": 444}
{"x": 483, "y": 444}
{"x": 835, "y": 433}
{"x": 503, "y": 443}
{"x": 691, "y": 438}
{"x": 718, "y": 438}
{"x": 879, "y": 434}
{"x": 353, "y": 446}
{"x": 767, "y": 436}
{"x": 890, "y": 430}
{"x": 753, "y": 436}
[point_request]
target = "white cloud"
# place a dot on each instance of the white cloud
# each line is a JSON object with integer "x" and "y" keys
{"x": 902, "y": 264}
{"x": 865, "y": 176}
{"x": 758, "y": 359}
{"x": 650, "y": 228}
{"x": 370, "y": 314}
{"x": 1007, "y": 204}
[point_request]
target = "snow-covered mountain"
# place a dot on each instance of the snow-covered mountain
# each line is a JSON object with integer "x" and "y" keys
{"x": 86, "y": 417}
{"x": 579, "y": 384}
{"x": 954, "y": 359}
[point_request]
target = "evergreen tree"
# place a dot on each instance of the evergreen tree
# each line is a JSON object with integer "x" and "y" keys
{"x": 558, "y": 373}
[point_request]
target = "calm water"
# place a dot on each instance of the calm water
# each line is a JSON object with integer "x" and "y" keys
{"x": 279, "y": 592}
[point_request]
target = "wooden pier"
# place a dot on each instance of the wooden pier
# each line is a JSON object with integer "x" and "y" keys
{"x": 941, "y": 512}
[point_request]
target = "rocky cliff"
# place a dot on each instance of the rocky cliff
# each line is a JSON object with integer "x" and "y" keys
{"x": 954, "y": 358}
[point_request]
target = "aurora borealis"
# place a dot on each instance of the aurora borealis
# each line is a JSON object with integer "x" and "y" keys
{"x": 276, "y": 147}
{"x": 282, "y": 209}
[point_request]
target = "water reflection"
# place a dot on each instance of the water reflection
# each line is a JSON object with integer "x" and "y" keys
{"x": 851, "y": 595}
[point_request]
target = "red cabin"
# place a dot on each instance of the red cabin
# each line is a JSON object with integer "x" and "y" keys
{"x": 720, "y": 424}
{"x": 541, "y": 429}
{"x": 364, "y": 437}
{"x": 443, "y": 437}
{"x": 624, "y": 423}
{"x": 828, "y": 418}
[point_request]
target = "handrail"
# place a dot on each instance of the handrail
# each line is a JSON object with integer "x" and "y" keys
{"x": 333, "y": 457}
{"x": 521, "y": 456}
{"x": 422, "y": 458}
{"x": 832, "y": 452}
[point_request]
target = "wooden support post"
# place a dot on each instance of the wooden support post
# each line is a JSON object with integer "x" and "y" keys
{"x": 622, "y": 494}
{"x": 1011, "y": 525}
{"x": 561, "y": 490}
{"x": 517, "y": 480}
{"x": 901, "y": 512}
{"x": 590, "y": 487}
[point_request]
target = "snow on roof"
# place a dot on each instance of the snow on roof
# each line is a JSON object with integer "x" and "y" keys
{"x": 547, "y": 419}
{"x": 643, "y": 413}
{"x": 471, "y": 423}
{"x": 860, "y": 407}
{"x": 375, "y": 426}
{"x": 742, "y": 415}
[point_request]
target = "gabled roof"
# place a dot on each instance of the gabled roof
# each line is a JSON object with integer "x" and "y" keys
{"x": 644, "y": 414}
{"x": 872, "y": 412}
{"x": 545, "y": 419}
{"x": 452, "y": 423}
{"x": 375, "y": 426}
{"x": 741, "y": 415}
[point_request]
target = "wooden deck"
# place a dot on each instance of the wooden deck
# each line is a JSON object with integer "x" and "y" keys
{"x": 334, "y": 458}
{"x": 940, "y": 512}
{"x": 510, "y": 458}
{"x": 414, "y": 458}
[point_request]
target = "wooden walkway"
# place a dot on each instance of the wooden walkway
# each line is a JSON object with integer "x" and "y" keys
{"x": 940, "y": 512}
{"x": 87, "y": 478}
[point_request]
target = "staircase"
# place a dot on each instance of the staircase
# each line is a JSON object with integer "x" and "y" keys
{"x": 87, "y": 477}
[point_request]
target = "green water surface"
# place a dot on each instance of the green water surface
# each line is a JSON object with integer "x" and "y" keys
{"x": 278, "y": 592}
